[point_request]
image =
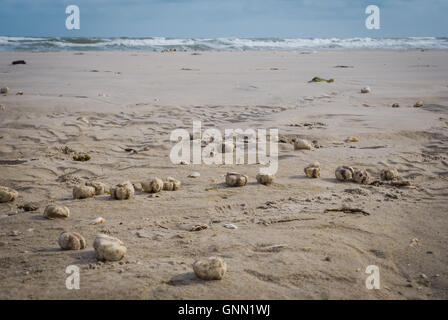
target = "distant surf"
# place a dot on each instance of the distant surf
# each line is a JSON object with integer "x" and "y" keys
{"x": 218, "y": 44}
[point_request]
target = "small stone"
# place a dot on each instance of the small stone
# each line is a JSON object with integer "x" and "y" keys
{"x": 4, "y": 90}
{"x": 234, "y": 179}
{"x": 389, "y": 174}
{"x": 14, "y": 233}
{"x": 108, "y": 248}
{"x": 153, "y": 186}
{"x": 19, "y": 93}
{"x": 266, "y": 179}
{"x": 199, "y": 227}
{"x": 71, "y": 241}
{"x": 183, "y": 162}
{"x": 312, "y": 170}
{"x": 171, "y": 184}
{"x": 7, "y": 194}
{"x": 230, "y": 226}
{"x": 81, "y": 157}
{"x": 213, "y": 268}
{"x": 302, "y": 144}
{"x": 352, "y": 139}
{"x": 83, "y": 192}
{"x": 344, "y": 173}
{"x": 100, "y": 188}
{"x": 395, "y": 105}
{"x": 366, "y": 90}
{"x": 418, "y": 104}
{"x": 194, "y": 175}
{"x": 29, "y": 207}
{"x": 54, "y": 211}
{"x": 96, "y": 221}
{"x": 122, "y": 191}
{"x": 361, "y": 176}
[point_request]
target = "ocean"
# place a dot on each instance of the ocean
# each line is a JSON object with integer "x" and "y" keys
{"x": 217, "y": 44}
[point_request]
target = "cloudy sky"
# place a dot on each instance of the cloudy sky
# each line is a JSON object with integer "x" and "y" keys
{"x": 224, "y": 18}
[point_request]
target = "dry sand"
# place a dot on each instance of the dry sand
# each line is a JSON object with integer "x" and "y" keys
{"x": 286, "y": 245}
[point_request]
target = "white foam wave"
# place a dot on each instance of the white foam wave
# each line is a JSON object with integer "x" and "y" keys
{"x": 161, "y": 43}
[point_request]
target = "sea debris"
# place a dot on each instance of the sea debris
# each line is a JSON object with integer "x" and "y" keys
{"x": 81, "y": 157}
{"x": 122, "y": 191}
{"x": 55, "y": 211}
{"x": 194, "y": 175}
{"x": 19, "y": 93}
{"x": 7, "y": 194}
{"x": 199, "y": 227}
{"x": 66, "y": 150}
{"x": 18, "y": 62}
{"x": 361, "y": 176}
{"x": 96, "y": 221}
{"x": 153, "y": 186}
{"x": 171, "y": 184}
{"x": 418, "y": 104}
{"x": 389, "y": 174}
{"x": 108, "y": 248}
{"x": 230, "y": 226}
{"x": 131, "y": 150}
{"x": 302, "y": 144}
{"x": 271, "y": 248}
{"x": 234, "y": 179}
{"x": 71, "y": 241}
{"x": 352, "y": 139}
{"x": 396, "y": 105}
{"x": 347, "y": 209}
{"x": 83, "y": 119}
{"x": 344, "y": 173}
{"x": 83, "y": 192}
{"x": 366, "y": 90}
{"x": 415, "y": 242}
{"x": 266, "y": 179}
{"x": 100, "y": 188}
{"x": 312, "y": 170}
{"x": 318, "y": 79}
{"x": 213, "y": 268}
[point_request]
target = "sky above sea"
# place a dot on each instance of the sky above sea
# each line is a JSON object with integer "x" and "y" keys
{"x": 225, "y": 18}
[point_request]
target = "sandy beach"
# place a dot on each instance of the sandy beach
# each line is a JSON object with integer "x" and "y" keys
{"x": 121, "y": 107}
